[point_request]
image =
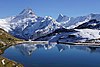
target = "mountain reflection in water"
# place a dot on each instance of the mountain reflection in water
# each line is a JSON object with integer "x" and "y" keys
{"x": 54, "y": 55}
{"x": 28, "y": 49}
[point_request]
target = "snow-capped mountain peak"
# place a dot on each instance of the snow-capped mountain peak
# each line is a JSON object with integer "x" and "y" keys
{"x": 71, "y": 22}
{"x": 94, "y": 16}
{"x": 27, "y": 15}
{"x": 25, "y": 24}
{"x": 28, "y": 12}
{"x": 62, "y": 18}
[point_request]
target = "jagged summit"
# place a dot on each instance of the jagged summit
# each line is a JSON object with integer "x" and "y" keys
{"x": 28, "y": 12}
{"x": 62, "y": 18}
{"x": 25, "y": 15}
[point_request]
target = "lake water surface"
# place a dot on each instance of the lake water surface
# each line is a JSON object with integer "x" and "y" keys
{"x": 50, "y": 55}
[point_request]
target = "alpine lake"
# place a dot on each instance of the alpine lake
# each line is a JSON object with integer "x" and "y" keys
{"x": 53, "y": 55}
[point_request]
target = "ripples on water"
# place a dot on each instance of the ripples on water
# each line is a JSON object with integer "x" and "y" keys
{"x": 54, "y": 55}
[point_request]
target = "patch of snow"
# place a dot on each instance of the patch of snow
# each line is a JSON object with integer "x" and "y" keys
{"x": 4, "y": 25}
{"x": 88, "y": 33}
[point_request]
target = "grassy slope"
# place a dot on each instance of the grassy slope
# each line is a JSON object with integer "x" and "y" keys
{"x": 7, "y": 39}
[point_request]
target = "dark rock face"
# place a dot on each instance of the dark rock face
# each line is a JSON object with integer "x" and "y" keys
{"x": 92, "y": 24}
{"x": 57, "y": 31}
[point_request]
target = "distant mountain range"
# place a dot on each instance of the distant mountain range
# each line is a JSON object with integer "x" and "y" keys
{"x": 27, "y": 25}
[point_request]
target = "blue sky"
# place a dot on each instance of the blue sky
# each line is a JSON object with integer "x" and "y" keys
{"x": 50, "y": 7}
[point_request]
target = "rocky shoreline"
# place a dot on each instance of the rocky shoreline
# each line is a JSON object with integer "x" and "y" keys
{"x": 4, "y": 62}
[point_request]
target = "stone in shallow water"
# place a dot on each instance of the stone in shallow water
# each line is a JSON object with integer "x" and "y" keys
{"x": 4, "y": 62}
